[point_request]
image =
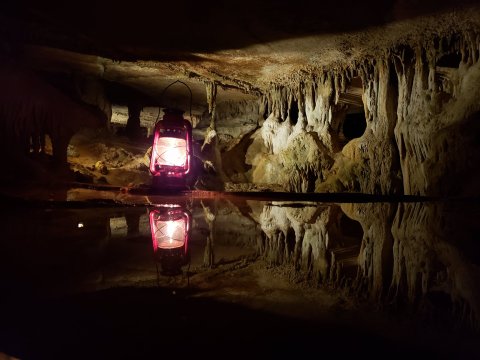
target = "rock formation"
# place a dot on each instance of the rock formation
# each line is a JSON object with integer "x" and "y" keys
{"x": 385, "y": 109}
{"x": 319, "y": 242}
{"x": 435, "y": 259}
{"x": 411, "y": 255}
{"x": 30, "y": 109}
{"x": 420, "y": 103}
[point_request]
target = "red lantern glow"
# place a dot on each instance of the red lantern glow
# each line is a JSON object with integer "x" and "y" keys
{"x": 170, "y": 230}
{"x": 171, "y": 151}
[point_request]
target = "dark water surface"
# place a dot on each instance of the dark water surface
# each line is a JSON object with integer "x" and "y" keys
{"x": 234, "y": 277}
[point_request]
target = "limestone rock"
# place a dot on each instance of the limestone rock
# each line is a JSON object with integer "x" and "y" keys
{"x": 101, "y": 167}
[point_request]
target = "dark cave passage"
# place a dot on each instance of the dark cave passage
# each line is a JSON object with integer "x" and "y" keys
{"x": 354, "y": 125}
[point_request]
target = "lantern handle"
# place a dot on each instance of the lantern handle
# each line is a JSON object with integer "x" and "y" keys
{"x": 163, "y": 92}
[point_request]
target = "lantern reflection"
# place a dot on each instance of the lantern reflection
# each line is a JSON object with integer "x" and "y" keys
{"x": 170, "y": 226}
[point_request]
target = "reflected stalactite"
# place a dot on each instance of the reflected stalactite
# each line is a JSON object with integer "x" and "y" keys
{"x": 411, "y": 258}
{"x": 210, "y": 214}
{"x": 133, "y": 224}
{"x": 410, "y": 255}
{"x": 310, "y": 239}
{"x": 434, "y": 257}
{"x": 375, "y": 256}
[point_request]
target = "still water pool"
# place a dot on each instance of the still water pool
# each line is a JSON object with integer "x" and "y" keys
{"x": 84, "y": 275}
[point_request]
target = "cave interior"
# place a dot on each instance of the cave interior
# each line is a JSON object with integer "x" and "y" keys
{"x": 338, "y": 143}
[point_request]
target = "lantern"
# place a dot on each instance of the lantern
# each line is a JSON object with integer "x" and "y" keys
{"x": 170, "y": 226}
{"x": 170, "y": 161}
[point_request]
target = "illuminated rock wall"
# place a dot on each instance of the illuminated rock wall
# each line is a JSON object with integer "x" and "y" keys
{"x": 438, "y": 111}
{"x": 421, "y": 104}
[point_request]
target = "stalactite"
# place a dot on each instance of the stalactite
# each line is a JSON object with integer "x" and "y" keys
{"x": 424, "y": 109}
{"x": 311, "y": 93}
{"x": 336, "y": 88}
{"x": 409, "y": 103}
{"x": 210, "y": 147}
{"x": 211, "y": 89}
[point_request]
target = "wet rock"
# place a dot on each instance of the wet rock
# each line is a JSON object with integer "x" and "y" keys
{"x": 101, "y": 167}
{"x": 147, "y": 157}
{"x": 117, "y": 157}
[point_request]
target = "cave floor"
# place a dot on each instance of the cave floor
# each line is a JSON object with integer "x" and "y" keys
{"x": 79, "y": 279}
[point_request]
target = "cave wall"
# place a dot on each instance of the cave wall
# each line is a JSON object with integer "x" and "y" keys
{"x": 92, "y": 91}
{"x": 235, "y": 120}
{"x": 421, "y": 103}
{"x": 438, "y": 111}
{"x": 223, "y": 130}
{"x": 30, "y": 109}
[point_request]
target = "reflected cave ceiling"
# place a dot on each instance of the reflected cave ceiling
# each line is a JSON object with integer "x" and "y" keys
{"x": 246, "y": 47}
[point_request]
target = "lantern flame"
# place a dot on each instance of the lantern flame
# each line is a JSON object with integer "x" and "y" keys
{"x": 170, "y": 234}
{"x": 171, "y": 151}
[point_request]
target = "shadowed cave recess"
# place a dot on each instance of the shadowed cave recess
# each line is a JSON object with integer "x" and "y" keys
{"x": 333, "y": 177}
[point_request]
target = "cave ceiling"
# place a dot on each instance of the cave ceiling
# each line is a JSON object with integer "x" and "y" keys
{"x": 246, "y": 47}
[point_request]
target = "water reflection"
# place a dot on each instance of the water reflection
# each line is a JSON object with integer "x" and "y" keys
{"x": 320, "y": 242}
{"x": 419, "y": 257}
{"x": 170, "y": 226}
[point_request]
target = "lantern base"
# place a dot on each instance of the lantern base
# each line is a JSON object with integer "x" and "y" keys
{"x": 169, "y": 183}
{"x": 171, "y": 260}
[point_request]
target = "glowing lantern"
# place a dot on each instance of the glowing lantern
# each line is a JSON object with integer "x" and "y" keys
{"x": 172, "y": 149}
{"x": 170, "y": 228}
